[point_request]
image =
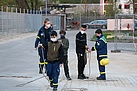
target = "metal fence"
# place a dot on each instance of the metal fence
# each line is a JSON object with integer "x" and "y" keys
{"x": 11, "y": 22}
{"x": 58, "y": 21}
{"x": 89, "y": 18}
{"x": 125, "y": 35}
{"x": 124, "y": 38}
{"x": 14, "y": 21}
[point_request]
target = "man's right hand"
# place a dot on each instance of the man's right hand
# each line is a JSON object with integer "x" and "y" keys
{"x": 86, "y": 47}
{"x": 89, "y": 50}
{"x": 36, "y": 48}
{"x": 40, "y": 45}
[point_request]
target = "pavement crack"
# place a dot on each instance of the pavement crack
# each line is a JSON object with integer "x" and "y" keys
{"x": 23, "y": 84}
{"x": 15, "y": 77}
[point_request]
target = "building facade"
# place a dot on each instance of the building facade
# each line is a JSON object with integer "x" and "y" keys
{"x": 122, "y": 6}
{"x": 125, "y": 6}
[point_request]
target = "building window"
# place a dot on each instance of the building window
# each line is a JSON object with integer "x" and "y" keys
{"x": 120, "y": 6}
{"x": 126, "y": 6}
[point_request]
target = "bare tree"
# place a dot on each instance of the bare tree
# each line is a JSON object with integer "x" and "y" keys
{"x": 27, "y": 4}
{"x": 22, "y": 4}
{"x": 32, "y": 4}
{"x": 85, "y": 6}
{"x": 36, "y": 4}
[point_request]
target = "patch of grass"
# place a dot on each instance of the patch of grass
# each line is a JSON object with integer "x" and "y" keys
{"x": 109, "y": 35}
{"x": 105, "y": 33}
{"x": 130, "y": 32}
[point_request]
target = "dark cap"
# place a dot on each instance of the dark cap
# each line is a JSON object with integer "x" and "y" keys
{"x": 53, "y": 33}
{"x": 99, "y": 31}
{"x": 84, "y": 26}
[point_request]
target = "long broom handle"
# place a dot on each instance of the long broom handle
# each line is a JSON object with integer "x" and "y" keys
{"x": 44, "y": 66}
{"x": 89, "y": 59}
{"x": 43, "y": 57}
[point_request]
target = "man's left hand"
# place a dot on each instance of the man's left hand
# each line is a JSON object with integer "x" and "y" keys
{"x": 61, "y": 65}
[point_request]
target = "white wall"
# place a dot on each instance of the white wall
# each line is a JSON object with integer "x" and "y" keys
{"x": 124, "y": 23}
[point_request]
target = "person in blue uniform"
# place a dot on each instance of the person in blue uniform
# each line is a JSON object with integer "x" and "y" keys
{"x": 101, "y": 48}
{"x": 81, "y": 46}
{"x": 41, "y": 43}
{"x": 55, "y": 58}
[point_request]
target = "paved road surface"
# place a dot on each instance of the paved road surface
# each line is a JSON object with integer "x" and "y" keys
{"x": 19, "y": 66}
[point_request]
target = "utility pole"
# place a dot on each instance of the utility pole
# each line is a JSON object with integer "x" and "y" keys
{"x": 133, "y": 6}
{"x": 46, "y": 6}
{"x": 81, "y": 12}
{"x": 116, "y": 29}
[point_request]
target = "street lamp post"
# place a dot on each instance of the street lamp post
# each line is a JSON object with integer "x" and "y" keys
{"x": 133, "y": 6}
{"x": 46, "y": 7}
{"x": 94, "y": 12}
{"x": 115, "y": 31}
{"x": 80, "y": 13}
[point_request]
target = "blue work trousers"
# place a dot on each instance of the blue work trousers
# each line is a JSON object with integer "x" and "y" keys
{"x": 43, "y": 57}
{"x": 101, "y": 68}
{"x": 53, "y": 71}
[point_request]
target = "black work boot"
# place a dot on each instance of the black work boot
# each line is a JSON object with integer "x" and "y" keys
{"x": 51, "y": 83}
{"x": 41, "y": 69}
{"x": 55, "y": 87}
{"x": 85, "y": 77}
{"x": 81, "y": 76}
{"x": 68, "y": 77}
{"x": 101, "y": 77}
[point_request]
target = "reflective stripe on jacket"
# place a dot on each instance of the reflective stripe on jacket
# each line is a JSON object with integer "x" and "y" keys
{"x": 43, "y": 36}
{"x": 101, "y": 47}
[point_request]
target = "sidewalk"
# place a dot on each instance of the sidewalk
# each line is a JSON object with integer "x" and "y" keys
{"x": 121, "y": 75}
{"x": 121, "y": 72}
{"x": 23, "y": 61}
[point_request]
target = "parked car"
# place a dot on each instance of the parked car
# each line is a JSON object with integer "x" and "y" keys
{"x": 135, "y": 24}
{"x": 97, "y": 24}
